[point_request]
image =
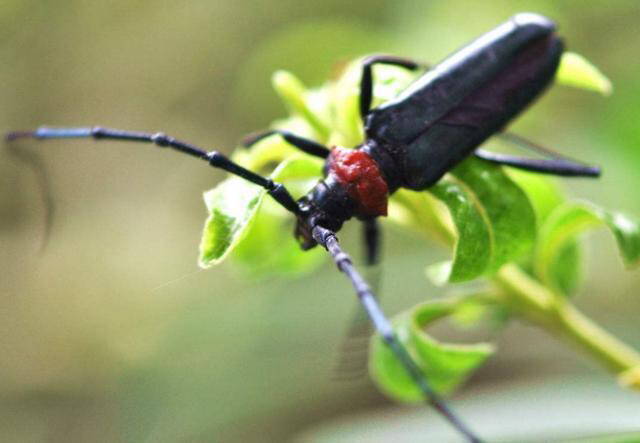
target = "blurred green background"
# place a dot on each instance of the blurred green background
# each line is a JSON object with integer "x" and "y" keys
{"x": 113, "y": 334}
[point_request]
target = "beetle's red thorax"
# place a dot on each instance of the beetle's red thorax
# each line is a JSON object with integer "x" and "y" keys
{"x": 360, "y": 175}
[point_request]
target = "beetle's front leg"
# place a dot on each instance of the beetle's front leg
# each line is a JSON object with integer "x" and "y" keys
{"x": 304, "y": 144}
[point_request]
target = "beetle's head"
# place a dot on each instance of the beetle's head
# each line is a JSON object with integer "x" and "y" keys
{"x": 327, "y": 205}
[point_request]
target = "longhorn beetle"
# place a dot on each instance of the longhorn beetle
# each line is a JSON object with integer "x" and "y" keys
{"x": 410, "y": 142}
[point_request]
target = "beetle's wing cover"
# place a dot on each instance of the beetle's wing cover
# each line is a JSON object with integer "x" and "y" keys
{"x": 444, "y": 87}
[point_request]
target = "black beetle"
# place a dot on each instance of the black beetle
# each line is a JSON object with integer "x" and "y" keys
{"x": 411, "y": 142}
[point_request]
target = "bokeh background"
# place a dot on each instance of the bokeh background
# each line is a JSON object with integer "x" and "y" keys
{"x": 112, "y": 333}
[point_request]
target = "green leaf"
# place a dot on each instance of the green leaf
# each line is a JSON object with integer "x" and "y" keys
{"x": 472, "y": 250}
{"x": 545, "y": 195}
{"x": 232, "y": 207}
{"x": 577, "y": 71}
{"x": 269, "y": 248}
{"x": 554, "y": 257}
{"x": 422, "y": 212}
{"x": 494, "y": 220}
{"x": 510, "y": 214}
{"x": 293, "y": 92}
{"x": 543, "y": 192}
{"x": 445, "y": 365}
{"x": 346, "y": 124}
{"x": 475, "y": 308}
{"x": 568, "y": 269}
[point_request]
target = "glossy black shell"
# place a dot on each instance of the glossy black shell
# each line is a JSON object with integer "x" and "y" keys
{"x": 454, "y": 107}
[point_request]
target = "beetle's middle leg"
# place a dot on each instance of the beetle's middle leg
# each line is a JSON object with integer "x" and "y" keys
{"x": 557, "y": 164}
{"x": 366, "y": 82}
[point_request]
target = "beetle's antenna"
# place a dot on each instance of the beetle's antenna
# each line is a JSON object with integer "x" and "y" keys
{"x": 35, "y": 163}
{"x": 354, "y": 351}
{"x": 328, "y": 239}
{"x": 214, "y": 158}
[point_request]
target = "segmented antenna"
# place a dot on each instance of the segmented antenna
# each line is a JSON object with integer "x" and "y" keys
{"x": 34, "y": 162}
{"x": 162, "y": 140}
{"x": 329, "y": 241}
{"x": 353, "y": 356}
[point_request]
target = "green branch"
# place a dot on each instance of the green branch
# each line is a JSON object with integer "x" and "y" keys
{"x": 537, "y": 304}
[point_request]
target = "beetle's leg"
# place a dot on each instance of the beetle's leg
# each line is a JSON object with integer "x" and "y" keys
{"x": 558, "y": 166}
{"x": 354, "y": 350}
{"x": 329, "y": 241}
{"x": 304, "y": 144}
{"x": 522, "y": 142}
{"x": 214, "y": 158}
{"x": 366, "y": 81}
{"x": 371, "y": 237}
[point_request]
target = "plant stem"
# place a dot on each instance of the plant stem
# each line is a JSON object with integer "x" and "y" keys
{"x": 556, "y": 314}
{"x": 534, "y": 302}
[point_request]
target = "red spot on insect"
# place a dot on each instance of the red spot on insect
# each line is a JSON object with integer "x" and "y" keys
{"x": 360, "y": 174}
